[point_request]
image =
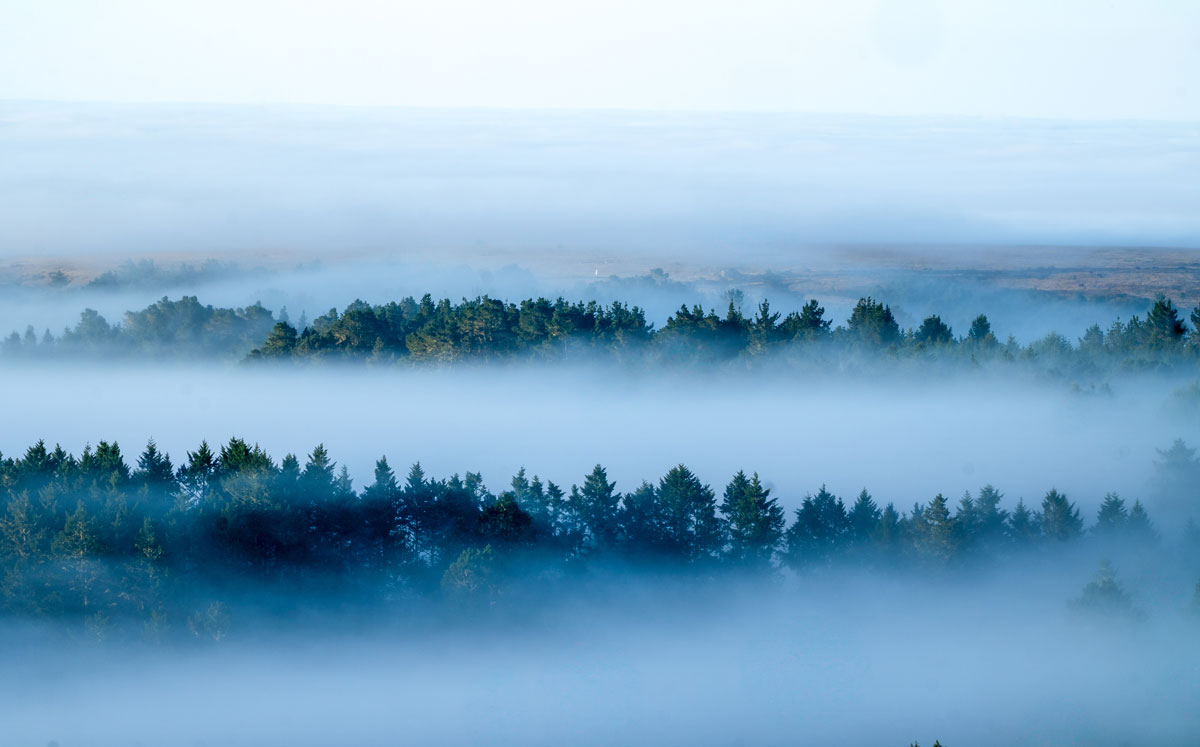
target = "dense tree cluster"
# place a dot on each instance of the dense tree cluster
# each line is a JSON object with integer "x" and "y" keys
{"x": 163, "y": 329}
{"x": 93, "y": 538}
{"x": 486, "y": 329}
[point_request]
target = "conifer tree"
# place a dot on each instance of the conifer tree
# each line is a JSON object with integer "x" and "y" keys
{"x": 1059, "y": 518}
{"x": 937, "y": 540}
{"x": 1105, "y": 596}
{"x": 1023, "y": 524}
{"x": 596, "y": 506}
{"x": 980, "y": 333}
{"x": 318, "y": 476}
{"x": 155, "y": 470}
{"x": 1112, "y": 517}
{"x": 199, "y": 471}
{"x": 872, "y": 323}
{"x": 864, "y": 518}
{"x": 755, "y": 521}
{"x": 692, "y": 530}
{"x": 1164, "y": 327}
{"x": 1139, "y": 527}
{"x": 819, "y": 529}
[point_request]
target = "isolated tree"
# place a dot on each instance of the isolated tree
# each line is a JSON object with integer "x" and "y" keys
{"x": 1105, "y": 596}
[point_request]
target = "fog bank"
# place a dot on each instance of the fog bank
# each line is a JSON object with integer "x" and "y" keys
{"x": 846, "y": 661}
{"x": 144, "y": 178}
{"x": 903, "y": 440}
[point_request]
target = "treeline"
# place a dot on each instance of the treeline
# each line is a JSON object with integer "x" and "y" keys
{"x": 164, "y": 329}
{"x": 484, "y": 329}
{"x": 95, "y": 539}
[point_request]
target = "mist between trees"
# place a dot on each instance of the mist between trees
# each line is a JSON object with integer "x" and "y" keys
{"x": 94, "y": 542}
{"x": 488, "y": 329}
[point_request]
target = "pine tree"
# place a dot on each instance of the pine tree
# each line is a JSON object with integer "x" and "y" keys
{"x": 1105, "y": 596}
{"x": 937, "y": 539}
{"x": 1023, "y": 525}
{"x": 1139, "y": 527}
{"x": 24, "y": 535}
{"x": 819, "y": 529}
{"x": 1112, "y": 517}
{"x": 692, "y": 528}
{"x": 643, "y": 522}
{"x": 281, "y": 343}
{"x": 764, "y": 330}
{"x": 596, "y": 507}
{"x": 1059, "y": 518}
{"x": 755, "y": 521}
{"x": 196, "y": 476}
{"x": 887, "y": 535}
{"x": 381, "y": 509}
{"x": 966, "y": 521}
{"x": 933, "y": 331}
{"x": 1164, "y": 328}
{"x": 872, "y": 323}
{"x": 318, "y": 477}
{"x": 155, "y": 471}
{"x": 76, "y": 545}
{"x": 1177, "y": 481}
{"x": 473, "y": 576}
{"x": 811, "y": 324}
{"x": 980, "y": 333}
{"x": 864, "y": 518}
{"x": 988, "y": 519}
{"x": 504, "y": 524}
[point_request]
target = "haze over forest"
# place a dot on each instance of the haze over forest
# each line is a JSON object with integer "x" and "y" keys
{"x": 538, "y": 424}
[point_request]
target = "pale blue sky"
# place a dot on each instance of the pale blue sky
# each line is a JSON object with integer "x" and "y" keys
{"x": 1081, "y": 59}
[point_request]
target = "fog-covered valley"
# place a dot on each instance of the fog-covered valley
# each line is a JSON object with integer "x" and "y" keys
{"x": 942, "y": 487}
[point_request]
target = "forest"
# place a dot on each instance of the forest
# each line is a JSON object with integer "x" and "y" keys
{"x": 94, "y": 541}
{"x": 488, "y": 329}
